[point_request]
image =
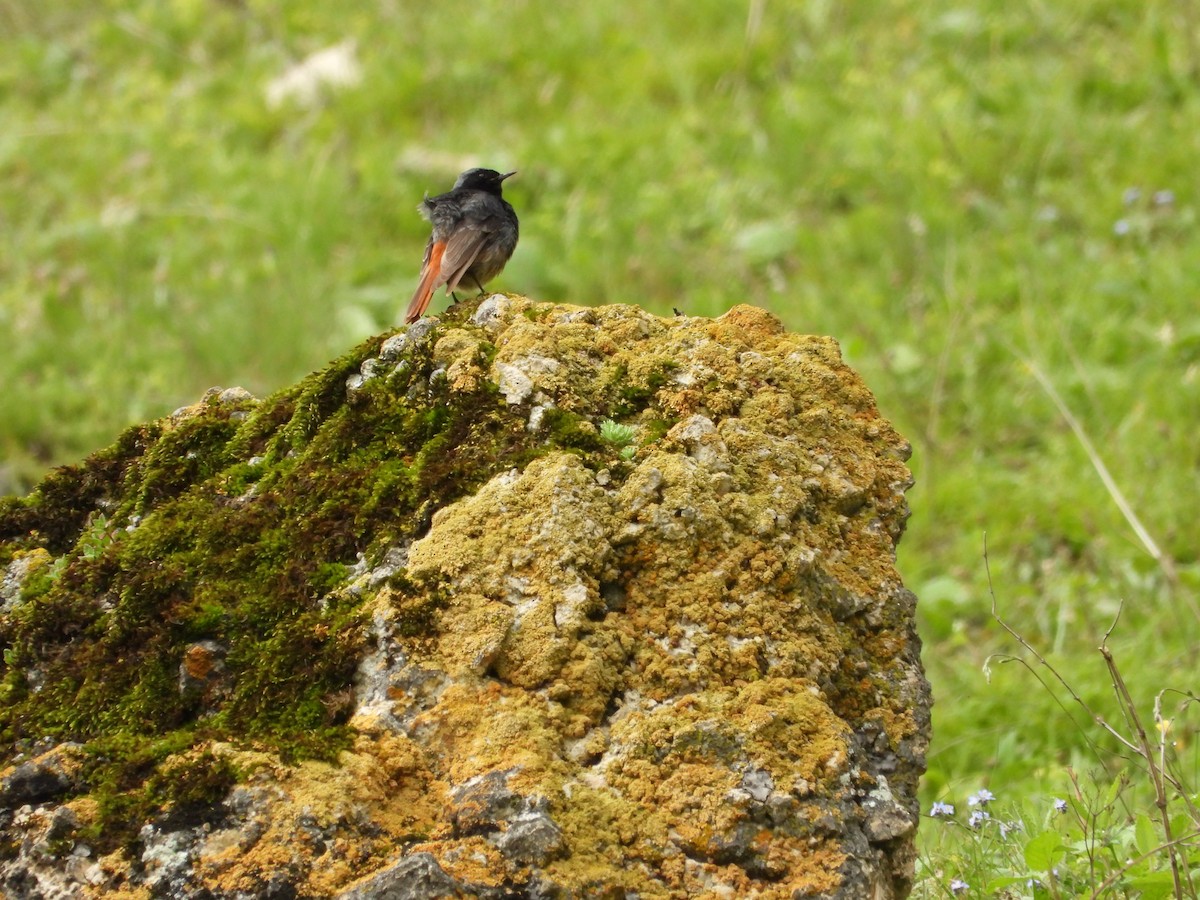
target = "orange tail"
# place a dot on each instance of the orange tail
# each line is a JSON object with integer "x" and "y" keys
{"x": 427, "y": 285}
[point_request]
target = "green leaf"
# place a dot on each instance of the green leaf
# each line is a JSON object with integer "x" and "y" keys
{"x": 1044, "y": 850}
{"x": 1004, "y": 881}
{"x": 1154, "y": 885}
{"x": 1181, "y": 824}
{"x": 1147, "y": 836}
{"x": 1114, "y": 791}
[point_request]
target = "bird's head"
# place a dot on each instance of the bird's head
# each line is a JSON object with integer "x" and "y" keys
{"x": 482, "y": 180}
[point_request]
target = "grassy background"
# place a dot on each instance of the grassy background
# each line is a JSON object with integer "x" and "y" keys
{"x": 959, "y": 192}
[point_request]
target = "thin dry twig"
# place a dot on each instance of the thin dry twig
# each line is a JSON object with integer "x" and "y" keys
{"x": 1171, "y": 765}
{"x": 1157, "y": 772}
{"x": 1095, "y": 716}
{"x": 1095, "y": 747}
{"x": 1118, "y": 497}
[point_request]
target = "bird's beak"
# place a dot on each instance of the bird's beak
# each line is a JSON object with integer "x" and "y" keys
{"x": 507, "y": 175}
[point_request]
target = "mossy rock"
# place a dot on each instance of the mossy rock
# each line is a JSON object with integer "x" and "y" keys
{"x": 637, "y": 574}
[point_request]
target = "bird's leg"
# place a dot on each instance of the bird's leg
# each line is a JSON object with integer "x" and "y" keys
{"x": 475, "y": 278}
{"x": 455, "y": 296}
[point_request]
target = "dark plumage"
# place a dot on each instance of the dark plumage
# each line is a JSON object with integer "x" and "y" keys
{"x": 474, "y": 234}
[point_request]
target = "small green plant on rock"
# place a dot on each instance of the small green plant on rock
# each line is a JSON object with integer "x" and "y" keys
{"x": 622, "y": 436}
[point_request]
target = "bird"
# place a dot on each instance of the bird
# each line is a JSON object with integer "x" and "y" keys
{"x": 474, "y": 234}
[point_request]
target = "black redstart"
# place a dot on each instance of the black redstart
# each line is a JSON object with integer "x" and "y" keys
{"x": 474, "y": 234}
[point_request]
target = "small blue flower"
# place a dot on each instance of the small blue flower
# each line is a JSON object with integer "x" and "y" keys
{"x": 982, "y": 798}
{"x": 941, "y": 809}
{"x": 1131, "y": 196}
{"x": 1006, "y": 827}
{"x": 1121, "y": 227}
{"x": 1060, "y": 805}
{"x": 977, "y": 818}
{"x": 1164, "y": 198}
{"x": 958, "y": 886}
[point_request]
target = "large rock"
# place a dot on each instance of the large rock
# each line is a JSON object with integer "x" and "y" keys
{"x": 532, "y": 601}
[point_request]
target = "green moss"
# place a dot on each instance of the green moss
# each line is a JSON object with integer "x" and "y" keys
{"x": 56, "y": 513}
{"x": 11, "y": 509}
{"x": 627, "y": 395}
{"x": 200, "y": 780}
{"x": 133, "y": 786}
{"x": 328, "y": 576}
{"x": 700, "y": 744}
{"x": 182, "y": 457}
{"x": 654, "y": 430}
{"x": 237, "y": 522}
{"x": 574, "y": 432}
{"x": 203, "y": 617}
{"x": 318, "y": 397}
{"x": 123, "y": 775}
{"x": 416, "y": 604}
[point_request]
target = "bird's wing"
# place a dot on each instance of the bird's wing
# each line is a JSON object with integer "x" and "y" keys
{"x": 462, "y": 247}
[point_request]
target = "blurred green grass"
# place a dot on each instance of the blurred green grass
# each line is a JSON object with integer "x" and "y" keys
{"x": 947, "y": 188}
